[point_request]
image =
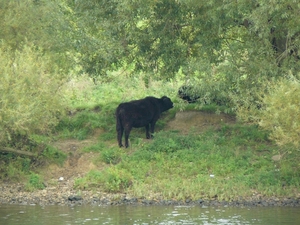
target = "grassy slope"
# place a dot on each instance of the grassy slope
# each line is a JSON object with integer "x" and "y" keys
{"x": 226, "y": 163}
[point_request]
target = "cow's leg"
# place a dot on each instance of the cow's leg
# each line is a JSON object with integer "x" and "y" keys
{"x": 152, "y": 128}
{"x": 127, "y": 132}
{"x": 148, "y": 136}
{"x": 120, "y": 131}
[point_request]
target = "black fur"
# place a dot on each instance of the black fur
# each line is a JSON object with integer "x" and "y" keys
{"x": 140, "y": 113}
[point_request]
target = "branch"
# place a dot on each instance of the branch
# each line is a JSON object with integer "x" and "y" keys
{"x": 18, "y": 152}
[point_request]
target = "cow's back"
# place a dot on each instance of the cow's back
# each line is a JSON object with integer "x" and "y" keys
{"x": 138, "y": 113}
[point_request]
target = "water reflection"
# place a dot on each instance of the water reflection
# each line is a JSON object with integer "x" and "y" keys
{"x": 163, "y": 215}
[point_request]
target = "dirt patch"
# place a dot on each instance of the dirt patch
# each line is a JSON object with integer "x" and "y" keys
{"x": 198, "y": 121}
{"x": 77, "y": 163}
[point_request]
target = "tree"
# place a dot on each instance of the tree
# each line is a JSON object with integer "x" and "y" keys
{"x": 162, "y": 36}
{"x": 41, "y": 23}
{"x": 229, "y": 49}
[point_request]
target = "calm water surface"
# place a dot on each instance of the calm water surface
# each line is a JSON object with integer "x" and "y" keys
{"x": 58, "y": 215}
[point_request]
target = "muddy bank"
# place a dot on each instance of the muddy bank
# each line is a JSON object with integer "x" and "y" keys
{"x": 64, "y": 195}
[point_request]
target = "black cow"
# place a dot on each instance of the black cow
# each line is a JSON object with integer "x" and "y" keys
{"x": 140, "y": 113}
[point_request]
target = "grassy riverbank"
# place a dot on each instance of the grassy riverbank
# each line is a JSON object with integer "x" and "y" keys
{"x": 224, "y": 163}
{"x": 195, "y": 154}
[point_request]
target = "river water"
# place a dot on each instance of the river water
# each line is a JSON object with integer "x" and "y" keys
{"x": 64, "y": 215}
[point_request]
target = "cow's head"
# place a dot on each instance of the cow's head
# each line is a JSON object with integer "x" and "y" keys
{"x": 167, "y": 103}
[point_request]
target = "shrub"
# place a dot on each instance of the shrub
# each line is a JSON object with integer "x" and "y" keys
{"x": 281, "y": 115}
{"x": 30, "y": 93}
{"x": 277, "y": 111}
{"x": 34, "y": 182}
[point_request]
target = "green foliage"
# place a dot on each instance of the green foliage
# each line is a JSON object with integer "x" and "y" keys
{"x": 112, "y": 179}
{"x": 80, "y": 125}
{"x": 228, "y": 50}
{"x": 42, "y": 23}
{"x": 30, "y": 98}
{"x": 282, "y": 103}
{"x": 241, "y": 134}
{"x": 238, "y": 156}
{"x": 278, "y": 111}
{"x": 112, "y": 155}
{"x": 13, "y": 169}
{"x": 52, "y": 154}
{"x": 169, "y": 142}
{"x": 35, "y": 182}
{"x": 161, "y": 37}
{"x": 116, "y": 179}
{"x": 92, "y": 179}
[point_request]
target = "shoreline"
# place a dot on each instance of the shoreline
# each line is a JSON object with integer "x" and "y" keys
{"x": 64, "y": 195}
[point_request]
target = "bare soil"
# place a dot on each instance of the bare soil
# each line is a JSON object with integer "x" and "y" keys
{"x": 77, "y": 163}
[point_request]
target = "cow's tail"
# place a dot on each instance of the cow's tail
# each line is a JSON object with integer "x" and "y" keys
{"x": 118, "y": 121}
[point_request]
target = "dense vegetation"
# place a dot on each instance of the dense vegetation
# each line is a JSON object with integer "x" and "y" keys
{"x": 239, "y": 57}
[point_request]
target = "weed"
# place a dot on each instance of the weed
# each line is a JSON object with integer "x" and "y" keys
{"x": 34, "y": 182}
{"x": 111, "y": 156}
{"x": 116, "y": 179}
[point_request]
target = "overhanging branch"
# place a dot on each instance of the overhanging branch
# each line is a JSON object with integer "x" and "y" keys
{"x": 18, "y": 152}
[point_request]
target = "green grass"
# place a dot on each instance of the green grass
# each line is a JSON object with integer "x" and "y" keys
{"x": 229, "y": 162}
{"x": 180, "y": 166}
{"x": 53, "y": 155}
{"x": 80, "y": 125}
{"x": 34, "y": 182}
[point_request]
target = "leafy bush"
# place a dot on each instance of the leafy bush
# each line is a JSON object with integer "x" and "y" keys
{"x": 281, "y": 115}
{"x": 13, "y": 168}
{"x": 279, "y": 112}
{"x": 30, "y": 93}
